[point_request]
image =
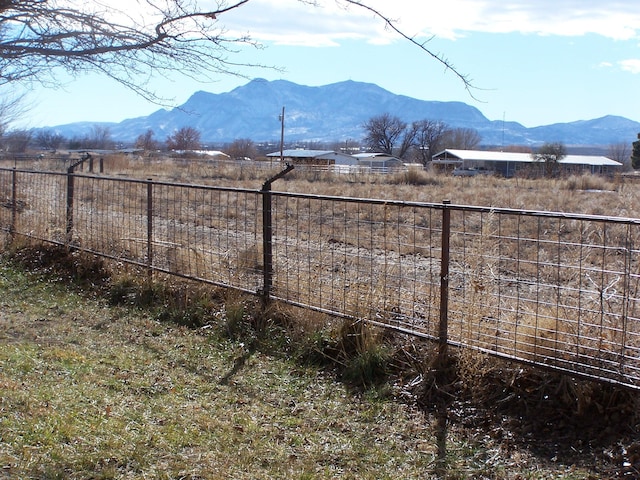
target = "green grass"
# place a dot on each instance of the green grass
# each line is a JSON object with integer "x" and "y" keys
{"x": 89, "y": 390}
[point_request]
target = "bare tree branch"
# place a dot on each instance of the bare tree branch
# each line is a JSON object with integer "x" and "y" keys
{"x": 39, "y": 36}
{"x": 466, "y": 81}
{"x": 12, "y": 107}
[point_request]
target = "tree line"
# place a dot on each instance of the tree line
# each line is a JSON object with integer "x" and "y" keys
{"x": 99, "y": 138}
{"x": 417, "y": 141}
{"x": 414, "y": 142}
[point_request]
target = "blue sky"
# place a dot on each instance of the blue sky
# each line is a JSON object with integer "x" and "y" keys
{"x": 535, "y": 62}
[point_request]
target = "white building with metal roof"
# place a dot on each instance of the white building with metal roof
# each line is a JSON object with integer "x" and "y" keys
{"x": 508, "y": 164}
{"x": 314, "y": 157}
{"x": 378, "y": 161}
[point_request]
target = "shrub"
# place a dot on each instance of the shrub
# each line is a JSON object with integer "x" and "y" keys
{"x": 414, "y": 176}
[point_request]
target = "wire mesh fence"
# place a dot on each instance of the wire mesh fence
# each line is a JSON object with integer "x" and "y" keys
{"x": 551, "y": 289}
{"x": 360, "y": 258}
{"x": 34, "y": 205}
{"x": 204, "y": 233}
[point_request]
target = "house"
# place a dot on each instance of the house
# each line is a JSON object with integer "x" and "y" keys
{"x": 217, "y": 154}
{"x": 508, "y": 164}
{"x": 378, "y": 161}
{"x": 302, "y": 157}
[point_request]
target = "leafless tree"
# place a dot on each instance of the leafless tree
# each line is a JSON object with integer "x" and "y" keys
{"x": 242, "y": 148}
{"x": 550, "y": 154}
{"x": 635, "y": 153}
{"x": 146, "y": 141}
{"x": 408, "y": 140}
{"x": 49, "y": 139}
{"x": 462, "y": 138}
{"x": 153, "y": 37}
{"x": 419, "y": 140}
{"x": 99, "y": 138}
{"x": 428, "y": 140}
{"x": 383, "y": 132}
{"x": 621, "y": 152}
{"x": 11, "y": 108}
{"x": 16, "y": 141}
{"x": 185, "y": 138}
{"x": 129, "y": 46}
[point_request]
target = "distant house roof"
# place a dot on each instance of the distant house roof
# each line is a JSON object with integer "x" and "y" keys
{"x": 212, "y": 153}
{"x": 374, "y": 155}
{"x": 320, "y": 155}
{"x": 456, "y": 156}
{"x": 301, "y": 153}
{"x": 372, "y": 159}
{"x": 589, "y": 160}
{"x": 97, "y": 151}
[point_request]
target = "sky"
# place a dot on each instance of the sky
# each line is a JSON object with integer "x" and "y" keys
{"x": 535, "y": 62}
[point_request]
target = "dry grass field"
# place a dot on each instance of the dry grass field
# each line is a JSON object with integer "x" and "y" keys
{"x": 586, "y": 194}
{"x": 578, "y": 194}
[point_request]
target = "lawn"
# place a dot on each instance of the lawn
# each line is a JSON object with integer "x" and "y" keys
{"x": 91, "y": 390}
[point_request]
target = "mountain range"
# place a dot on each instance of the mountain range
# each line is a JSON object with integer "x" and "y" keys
{"x": 337, "y": 112}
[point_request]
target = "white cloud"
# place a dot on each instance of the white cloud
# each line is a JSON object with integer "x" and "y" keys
{"x": 292, "y": 20}
{"x": 631, "y": 65}
{"x": 617, "y": 19}
{"x": 331, "y": 21}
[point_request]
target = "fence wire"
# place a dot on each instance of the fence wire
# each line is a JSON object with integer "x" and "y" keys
{"x": 550, "y": 289}
{"x": 378, "y": 261}
{"x": 556, "y": 290}
{"x": 204, "y": 233}
{"x": 33, "y": 205}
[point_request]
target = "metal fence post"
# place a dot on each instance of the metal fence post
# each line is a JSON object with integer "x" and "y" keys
{"x": 70, "y": 191}
{"x": 149, "y": 228}
{"x": 267, "y": 234}
{"x": 443, "y": 329}
{"x": 267, "y": 242}
{"x": 14, "y": 204}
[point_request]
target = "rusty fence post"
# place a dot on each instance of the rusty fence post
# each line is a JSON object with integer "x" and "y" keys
{"x": 149, "y": 228}
{"x": 267, "y": 242}
{"x": 443, "y": 328}
{"x": 267, "y": 235}
{"x": 14, "y": 205}
{"x": 70, "y": 192}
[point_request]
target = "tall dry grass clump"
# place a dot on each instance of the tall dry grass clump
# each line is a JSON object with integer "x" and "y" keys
{"x": 414, "y": 176}
{"x": 589, "y": 182}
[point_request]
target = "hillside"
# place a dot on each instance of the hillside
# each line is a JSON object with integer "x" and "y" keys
{"x": 336, "y": 112}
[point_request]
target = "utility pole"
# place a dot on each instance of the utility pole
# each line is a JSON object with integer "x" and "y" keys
{"x": 282, "y": 137}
